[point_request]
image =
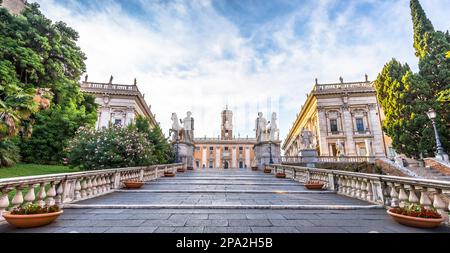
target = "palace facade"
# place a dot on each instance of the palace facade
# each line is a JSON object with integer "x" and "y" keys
{"x": 119, "y": 104}
{"x": 224, "y": 151}
{"x": 345, "y": 114}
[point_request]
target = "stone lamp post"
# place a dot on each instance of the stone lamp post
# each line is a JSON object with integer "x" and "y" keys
{"x": 440, "y": 150}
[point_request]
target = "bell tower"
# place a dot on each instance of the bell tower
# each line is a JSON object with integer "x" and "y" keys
{"x": 227, "y": 124}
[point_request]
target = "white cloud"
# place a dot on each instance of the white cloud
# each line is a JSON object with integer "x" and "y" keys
{"x": 188, "y": 57}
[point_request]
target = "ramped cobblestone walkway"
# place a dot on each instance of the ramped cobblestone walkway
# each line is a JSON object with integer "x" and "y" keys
{"x": 222, "y": 201}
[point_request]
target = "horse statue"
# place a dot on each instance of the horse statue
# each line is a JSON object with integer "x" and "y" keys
{"x": 176, "y": 128}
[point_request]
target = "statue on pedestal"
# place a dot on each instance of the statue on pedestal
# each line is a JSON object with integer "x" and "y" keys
{"x": 306, "y": 139}
{"x": 273, "y": 129}
{"x": 340, "y": 148}
{"x": 188, "y": 126}
{"x": 261, "y": 127}
{"x": 176, "y": 128}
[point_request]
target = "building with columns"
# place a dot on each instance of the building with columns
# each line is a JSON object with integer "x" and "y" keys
{"x": 118, "y": 104}
{"x": 225, "y": 151}
{"x": 14, "y": 6}
{"x": 341, "y": 116}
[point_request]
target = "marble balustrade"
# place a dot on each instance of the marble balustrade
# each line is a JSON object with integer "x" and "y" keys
{"x": 65, "y": 188}
{"x": 389, "y": 191}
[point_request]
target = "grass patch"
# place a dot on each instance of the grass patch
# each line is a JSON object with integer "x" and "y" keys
{"x": 23, "y": 170}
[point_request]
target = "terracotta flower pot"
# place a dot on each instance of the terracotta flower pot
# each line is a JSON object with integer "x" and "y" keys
{"x": 181, "y": 170}
{"x": 31, "y": 220}
{"x": 254, "y": 168}
{"x": 267, "y": 171}
{"x": 133, "y": 184}
{"x": 169, "y": 174}
{"x": 314, "y": 186}
{"x": 281, "y": 175}
{"x": 416, "y": 221}
{"x": 190, "y": 168}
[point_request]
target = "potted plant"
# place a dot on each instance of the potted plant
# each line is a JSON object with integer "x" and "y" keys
{"x": 32, "y": 215}
{"x": 169, "y": 174}
{"x": 415, "y": 215}
{"x": 314, "y": 185}
{"x": 281, "y": 175}
{"x": 181, "y": 169}
{"x": 133, "y": 184}
{"x": 267, "y": 170}
{"x": 190, "y": 168}
{"x": 254, "y": 168}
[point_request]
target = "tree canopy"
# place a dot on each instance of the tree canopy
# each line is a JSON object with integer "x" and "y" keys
{"x": 38, "y": 56}
{"x": 406, "y": 96}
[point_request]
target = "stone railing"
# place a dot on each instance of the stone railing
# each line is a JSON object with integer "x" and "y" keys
{"x": 343, "y": 86}
{"x": 328, "y": 159}
{"x": 389, "y": 191}
{"x": 66, "y": 188}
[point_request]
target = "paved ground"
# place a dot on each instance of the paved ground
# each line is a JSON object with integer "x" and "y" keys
{"x": 226, "y": 201}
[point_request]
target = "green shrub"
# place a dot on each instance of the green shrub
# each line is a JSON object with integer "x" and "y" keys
{"x": 113, "y": 147}
{"x": 9, "y": 153}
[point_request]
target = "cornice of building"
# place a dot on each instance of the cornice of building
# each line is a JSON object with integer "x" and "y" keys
{"x": 118, "y": 89}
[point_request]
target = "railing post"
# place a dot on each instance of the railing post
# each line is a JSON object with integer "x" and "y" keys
{"x": 141, "y": 175}
{"x": 4, "y": 201}
{"x": 117, "y": 180}
{"x": 331, "y": 185}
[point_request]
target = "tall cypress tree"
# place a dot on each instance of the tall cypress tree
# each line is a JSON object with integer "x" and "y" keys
{"x": 405, "y": 96}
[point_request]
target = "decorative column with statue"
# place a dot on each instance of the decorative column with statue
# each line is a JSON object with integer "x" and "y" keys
{"x": 183, "y": 140}
{"x": 267, "y": 147}
{"x": 308, "y": 151}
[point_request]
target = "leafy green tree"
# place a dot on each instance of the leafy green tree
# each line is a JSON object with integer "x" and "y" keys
{"x": 37, "y": 54}
{"x": 406, "y": 96}
{"x": 162, "y": 150}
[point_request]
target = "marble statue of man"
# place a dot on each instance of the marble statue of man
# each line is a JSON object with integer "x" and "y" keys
{"x": 306, "y": 138}
{"x": 261, "y": 124}
{"x": 340, "y": 148}
{"x": 274, "y": 131}
{"x": 188, "y": 126}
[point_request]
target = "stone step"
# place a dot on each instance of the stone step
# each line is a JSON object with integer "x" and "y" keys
{"x": 228, "y": 191}
{"x": 215, "y": 183}
{"x": 200, "y": 206}
{"x": 225, "y": 178}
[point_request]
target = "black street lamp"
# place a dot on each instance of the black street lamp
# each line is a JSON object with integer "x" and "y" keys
{"x": 270, "y": 152}
{"x": 177, "y": 159}
{"x": 440, "y": 150}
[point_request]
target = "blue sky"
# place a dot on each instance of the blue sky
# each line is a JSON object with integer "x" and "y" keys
{"x": 254, "y": 55}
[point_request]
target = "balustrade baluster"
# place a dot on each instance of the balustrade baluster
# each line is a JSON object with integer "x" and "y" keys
{"x": 89, "y": 187}
{"x": 84, "y": 187}
{"x": 41, "y": 195}
{"x": 353, "y": 187}
{"x": 363, "y": 191}
{"x": 357, "y": 188}
{"x": 108, "y": 183}
{"x": 369, "y": 193}
{"x": 424, "y": 199}
{"x": 94, "y": 186}
{"x": 30, "y": 197}
{"x": 439, "y": 204}
{"x": 59, "y": 193}
{"x": 402, "y": 196}
{"x": 412, "y": 198}
{"x": 18, "y": 197}
{"x": 4, "y": 200}
{"x": 78, "y": 193}
{"x": 394, "y": 195}
{"x": 51, "y": 193}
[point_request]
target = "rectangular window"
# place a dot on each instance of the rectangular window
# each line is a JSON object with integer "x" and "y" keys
{"x": 118, "y": 122}
{"x": 241, "y": 148}
{"x": 333, "y": 126}
{"x": 197, "y": 163}
{"x": 226, "y": 148}
{"x": 211, "y": 148}
{"x": 210, "y": 164}
{"x": 360, "y": 125}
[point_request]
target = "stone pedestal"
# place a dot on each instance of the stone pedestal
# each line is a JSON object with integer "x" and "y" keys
{"x": 309, "y": 156}
{"x": 263, "y": 150}
{"x": 185, "y": 154}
